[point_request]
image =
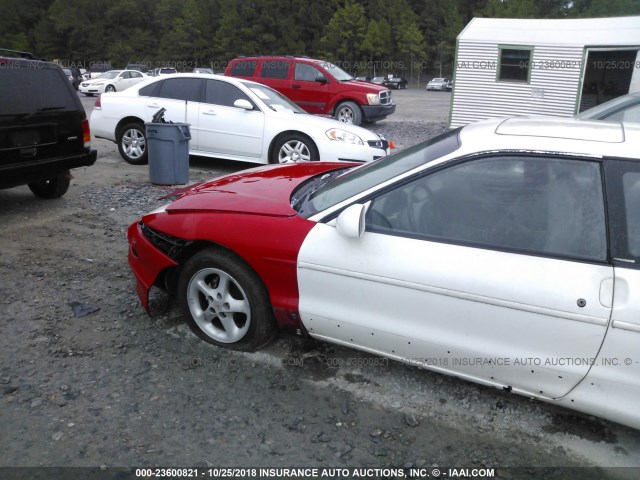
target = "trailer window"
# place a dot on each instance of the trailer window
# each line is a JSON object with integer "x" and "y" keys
{"x": 515, "y": 64}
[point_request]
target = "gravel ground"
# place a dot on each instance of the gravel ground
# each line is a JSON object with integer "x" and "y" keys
{"x": 88, "y": 379}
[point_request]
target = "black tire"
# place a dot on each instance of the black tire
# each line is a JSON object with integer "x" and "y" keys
{"x": 348, "y": 112}
{"x": 110, "y": 88}
{"x": 132, "y": 143}
{"x": 294, "y": 147}
{"x": 211, "y": 314}
{"x": 52, "y": 187}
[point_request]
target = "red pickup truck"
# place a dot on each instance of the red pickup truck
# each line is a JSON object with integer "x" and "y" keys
{"x": 317, "y": 86}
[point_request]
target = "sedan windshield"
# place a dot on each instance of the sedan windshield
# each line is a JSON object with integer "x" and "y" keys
{"x": 359, "y": 179}
{"x": 272, "y": 99}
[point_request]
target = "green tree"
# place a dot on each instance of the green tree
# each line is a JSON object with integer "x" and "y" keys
{"x": 375, "y": 45}
{"x": 344, "y": 34}
{"x": 605, "y": 8}
{"x": 510, "y": 9}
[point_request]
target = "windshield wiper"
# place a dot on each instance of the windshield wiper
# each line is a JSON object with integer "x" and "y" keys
{"x": 303, "y": 195}
{"x": 40, "y": 110}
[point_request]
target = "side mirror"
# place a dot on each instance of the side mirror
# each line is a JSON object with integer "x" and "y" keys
{"x": 321, "y": 79}
{"x": 244, "y": 104}
{"x": 350, "y": 222}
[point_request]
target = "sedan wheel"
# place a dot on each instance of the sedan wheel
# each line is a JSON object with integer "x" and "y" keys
{"x": 110, "y": 88}
{"x": 225, "y": 302}
{"x": 132, "y": 144}
{"x": 294, "y": 148}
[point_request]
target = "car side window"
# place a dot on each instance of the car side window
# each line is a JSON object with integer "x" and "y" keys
{"x": 538, "y": 205}
{"x": 631, "y": 191}
{"x": 275, "y": 69}
{"x": 223, "y": 93}
{"x": 150, "y": 90}
{"x": 125, "y": 75}
{"x": 307, "y": 73}
{"x": 243, "y": 68}
{"x": 189, "y": 89}
{"x": 135, "y": 75}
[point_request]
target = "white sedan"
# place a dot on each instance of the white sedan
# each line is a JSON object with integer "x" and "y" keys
{"x": 112, "y": 81}
{"x": 440, "y": 84}
{"x": 231, "y": 119}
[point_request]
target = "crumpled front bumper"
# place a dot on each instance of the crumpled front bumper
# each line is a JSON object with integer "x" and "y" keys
{"x": 146, "y": 262}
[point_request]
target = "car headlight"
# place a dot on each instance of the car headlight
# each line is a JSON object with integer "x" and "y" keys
{"x": 373, "y": 98}
{"x": 343, "y": 136}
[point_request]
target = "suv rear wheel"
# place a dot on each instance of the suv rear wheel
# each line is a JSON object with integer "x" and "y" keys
{"x": 132, "y": 143}
{"x": 348, "y": 112}
{"x": 52, "y": 187}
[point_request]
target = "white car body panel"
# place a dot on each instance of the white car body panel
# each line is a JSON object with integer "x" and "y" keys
{"x": 229, "y": 131}
{"x": 424, "y": 300}
{"x": 240, "y": 134}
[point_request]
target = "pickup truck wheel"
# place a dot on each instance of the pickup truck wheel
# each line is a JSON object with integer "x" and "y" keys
{"x": 132, "y": 143}
{"x": 348, "y": 112}
{"x": 54, "y": 187}
{"x": 294, "y": 147}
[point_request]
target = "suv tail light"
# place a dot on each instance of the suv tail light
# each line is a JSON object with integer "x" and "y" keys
{"x": 97, "y": 105}
{"x": 86, "y": 133}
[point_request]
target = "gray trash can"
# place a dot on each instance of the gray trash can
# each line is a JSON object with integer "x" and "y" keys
{"x": 168, "y": 151}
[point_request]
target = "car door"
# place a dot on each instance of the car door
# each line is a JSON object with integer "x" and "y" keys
{"x": 135, "y": 77}
{"x": 122, "y": 81}
{"x": 180, "y": 97}
{"x": 311, "y": 88}
{"x": 613, "y": 384}
{"x": 227, "y": 130}
{"x": 494, "y": 270}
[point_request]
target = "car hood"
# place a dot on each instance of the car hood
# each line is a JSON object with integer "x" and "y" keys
{"x": 319, "y": 125}
{"x": 94, "y": 80}
{"x": 258, "y": 191}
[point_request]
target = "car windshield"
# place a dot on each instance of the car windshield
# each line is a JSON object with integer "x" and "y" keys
{"x": 111, "y": 74}
{"x": 360, "y": 179}
{"x": 336, "y": 72}
{"x": 603, "y": 110}
{"x": 272, "y": 99}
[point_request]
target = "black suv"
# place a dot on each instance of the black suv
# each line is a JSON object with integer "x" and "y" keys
{"x": 44, "y": 131}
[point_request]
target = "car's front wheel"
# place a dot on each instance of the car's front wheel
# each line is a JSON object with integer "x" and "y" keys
{"x": 348, "y": 112}
{"x": 132, "y": 143}
{"x": 54, "y": 187}
{"x": 225, "y": 302}
{"x": 294, "y": 147}
{"x": 110, "y": 88}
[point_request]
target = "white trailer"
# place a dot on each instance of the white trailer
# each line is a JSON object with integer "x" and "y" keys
{"x": 507, "y": 67}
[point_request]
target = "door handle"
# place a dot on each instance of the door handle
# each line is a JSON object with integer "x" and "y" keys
{"x": 153, "y": 105}
{"x": 606, "y": 293}
{"x": 209, "y": 112}
{"x": 296, "y": 86}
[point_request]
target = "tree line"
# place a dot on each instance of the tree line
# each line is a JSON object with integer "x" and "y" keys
{"x": 365, "y": 37}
